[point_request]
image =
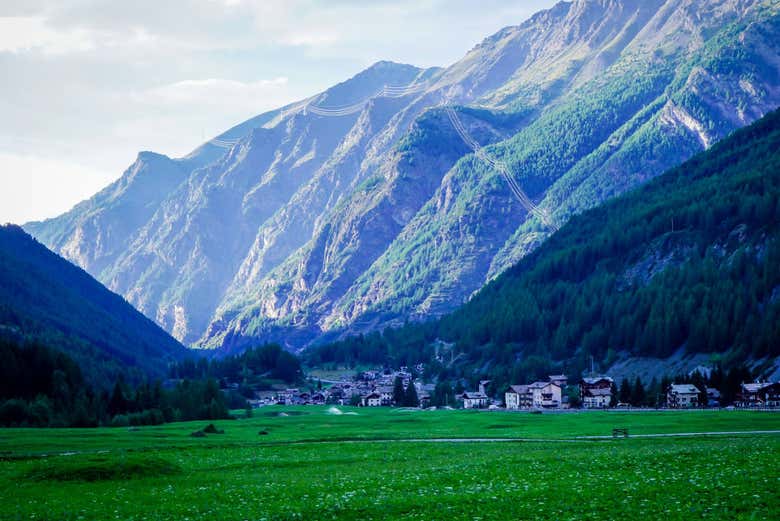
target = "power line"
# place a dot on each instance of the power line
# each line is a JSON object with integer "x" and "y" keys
{"x": 505, "y": 172}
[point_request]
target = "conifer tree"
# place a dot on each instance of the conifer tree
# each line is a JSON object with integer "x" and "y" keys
{"x": 410, "y": 398}
{"x": 398, "y": 391}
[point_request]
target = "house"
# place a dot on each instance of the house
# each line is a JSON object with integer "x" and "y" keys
{"x": 713, "y": 397}
{"x": 476, "y": 400}
{"x": 517, "y": 397}
{"x": 760, "y": 394}
{"x": 596, "y": 392}
{"x": 559, "y": 379}
{"x": 386, "y": 392}
{"x": 545, "y": 395}
{"x": 373, "y": 399}
{"x": 318, "y": 398}
{"x": 287, "y": 397}
{"x": 369, "y": 375}
{"x": 682, "y": 396}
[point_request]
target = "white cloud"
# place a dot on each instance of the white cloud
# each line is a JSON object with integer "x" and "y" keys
{"x": 88, "y": 83}
{"x": 44, "y": 188}
{"x": 29, "y": 33}
{"x": 218, "y": 91}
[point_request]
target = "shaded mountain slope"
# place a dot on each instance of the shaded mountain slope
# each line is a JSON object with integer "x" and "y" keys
{"x": 42, "y": 296}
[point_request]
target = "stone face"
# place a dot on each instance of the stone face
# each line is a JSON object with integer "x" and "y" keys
{"x": 312, "y": 225}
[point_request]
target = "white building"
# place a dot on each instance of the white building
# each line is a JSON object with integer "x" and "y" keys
{"x": 372, "y": 400}
{"x": 517, "y": 397}
{"x": 682, "y": 396}
{"x": 596, "y": 392}
{"x": 545, "y": 395}
{"x": 476, "y": 400}
{"x": 540, "y": 395}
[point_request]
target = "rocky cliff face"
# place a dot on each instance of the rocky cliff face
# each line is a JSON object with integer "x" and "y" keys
{"x": 366, "y": 207}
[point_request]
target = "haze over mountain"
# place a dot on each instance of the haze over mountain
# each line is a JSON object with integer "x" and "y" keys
{"x": 362, "y": 206}
{"x": 44, "y": 298}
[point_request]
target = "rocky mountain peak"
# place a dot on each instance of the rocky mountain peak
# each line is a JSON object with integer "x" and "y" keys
{"x": 361, "y": 206}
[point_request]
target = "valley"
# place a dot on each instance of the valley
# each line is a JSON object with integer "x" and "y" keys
{"x": 313, "y": 464}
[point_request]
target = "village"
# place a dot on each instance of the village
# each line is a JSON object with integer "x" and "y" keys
{"x": 399, "y": 388}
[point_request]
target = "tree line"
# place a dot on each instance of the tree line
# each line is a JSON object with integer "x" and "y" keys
{"x": 43, "y": 387}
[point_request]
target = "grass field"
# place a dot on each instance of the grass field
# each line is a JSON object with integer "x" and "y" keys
{"x": 372, "y": 464}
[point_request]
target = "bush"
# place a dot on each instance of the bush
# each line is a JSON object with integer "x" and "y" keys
{"x": 212, "y": 429}
{"x": 14, "y": 413}
{"x": 120, "y": 420}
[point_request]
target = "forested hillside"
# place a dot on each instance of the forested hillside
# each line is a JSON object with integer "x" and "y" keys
{"x": 46, "y": 300}
{"x": 688, "y": 261}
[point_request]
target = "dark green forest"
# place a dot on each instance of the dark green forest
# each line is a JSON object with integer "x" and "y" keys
{"x": 688, "y": 261}
{"x": 48, "y": 299}
{"x": 72, "y": 353}
{"x": 44, "y": 387}
{"x": 256, "y": 365}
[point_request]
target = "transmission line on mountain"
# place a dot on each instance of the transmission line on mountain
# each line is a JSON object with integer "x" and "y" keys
{"x": 388, "y": 91}
{"x": 391, "y": 91}
{"x": 502, "y": 168}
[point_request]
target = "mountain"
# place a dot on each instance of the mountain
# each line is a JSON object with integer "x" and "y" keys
{"x": 683, "y": 268}
{"x": 47, "y": 299}
{"x": 364, "y": 205}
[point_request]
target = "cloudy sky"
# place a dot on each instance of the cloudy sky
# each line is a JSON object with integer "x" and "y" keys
{"x": 86, "y": 84}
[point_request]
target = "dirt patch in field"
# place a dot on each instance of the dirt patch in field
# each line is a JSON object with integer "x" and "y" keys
{"x": 97, "y": 468}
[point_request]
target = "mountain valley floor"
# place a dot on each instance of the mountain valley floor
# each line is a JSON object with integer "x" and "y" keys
{"x": 317, "y": 463}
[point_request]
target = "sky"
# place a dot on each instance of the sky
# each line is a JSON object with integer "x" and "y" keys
{"x": 86, "y": 84}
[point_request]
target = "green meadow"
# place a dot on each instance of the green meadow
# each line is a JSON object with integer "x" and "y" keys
{"x": 308, "y": 463}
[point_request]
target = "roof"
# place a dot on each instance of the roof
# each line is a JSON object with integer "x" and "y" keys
{"x": 474, "y": 396}
{"x": 519, "y": 389}
{"x": 542, "y": 385}
{"x": 684, "y": 389}
{"x": 372, "y": 396}
{"x": 599, "y": 392}
{"x": 596, "y": 379}
{"x": 755, "y": 387}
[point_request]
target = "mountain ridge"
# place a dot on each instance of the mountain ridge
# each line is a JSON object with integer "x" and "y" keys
{"x": 312, "y": 225}
{"x": 48, "y": 299}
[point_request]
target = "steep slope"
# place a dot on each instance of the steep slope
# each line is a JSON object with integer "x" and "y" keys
{"x": 44, "y": 297}
{"x": 624, "y": 127}
{"x": 687, "y": 263}
{"x": 595, "y": 103}
{"x": 362, "y": 205}
{"x": 94, "y": 233}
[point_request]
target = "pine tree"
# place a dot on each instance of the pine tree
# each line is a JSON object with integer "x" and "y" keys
{"x": 410, "y": 398}
{"x": 638, "y": 393}
{"x": 117, "y": 404}
{"x": 625, "y": 391}
{"x": 613, "y": 399}
{"x": 398, "y": 391}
